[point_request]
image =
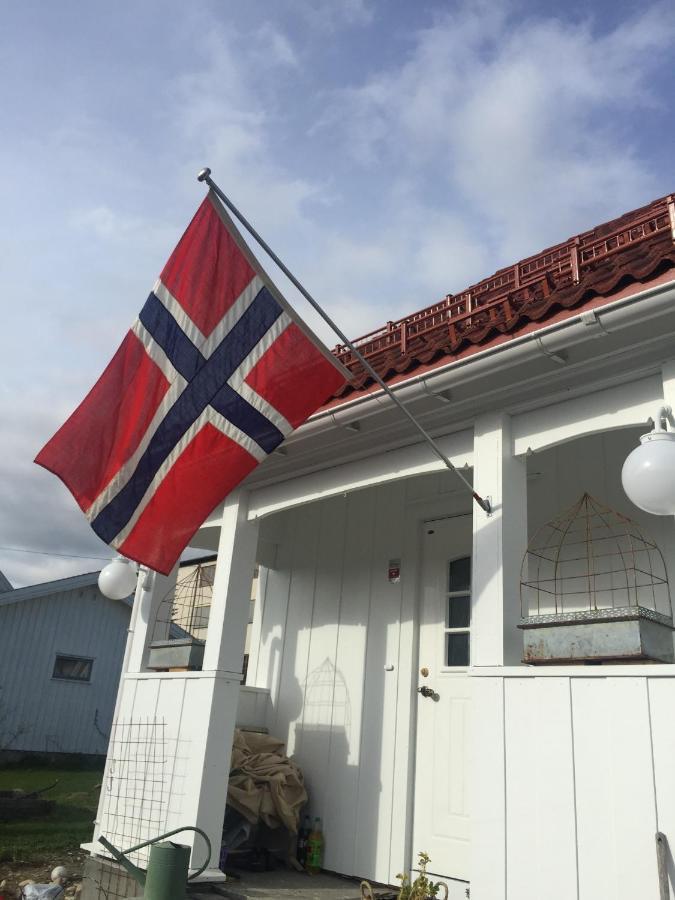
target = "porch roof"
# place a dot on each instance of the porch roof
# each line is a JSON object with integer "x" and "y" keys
{"x": 581, "y": 273}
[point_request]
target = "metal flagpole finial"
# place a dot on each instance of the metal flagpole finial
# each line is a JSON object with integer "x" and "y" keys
{"x": 203, "y": 174}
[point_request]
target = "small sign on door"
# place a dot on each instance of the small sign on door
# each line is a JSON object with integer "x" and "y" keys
{"x": 394, "y": 571}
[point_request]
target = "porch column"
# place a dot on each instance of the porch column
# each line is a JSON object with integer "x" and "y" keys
{"x": 208, "y": 724}
{"x": 151, "y": 589}
{"x": 499, "y": 542}
{"x": 183, "y": 721}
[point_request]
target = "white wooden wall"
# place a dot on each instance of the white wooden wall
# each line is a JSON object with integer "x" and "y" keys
{"x": 39, "y": 713}
{"x": 557, "y": 477}
{"x": 254, "y": 707}
{"x": 328, "y": 624}
{"x": 572, "y": 776}
{"x": 149, "y": 785}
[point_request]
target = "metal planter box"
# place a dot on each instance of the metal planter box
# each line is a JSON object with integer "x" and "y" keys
{"x": 187, "y": 653}
{"x": 628, "y": 634}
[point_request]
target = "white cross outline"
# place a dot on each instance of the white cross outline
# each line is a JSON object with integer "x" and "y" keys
{"x": 177, "y": 384}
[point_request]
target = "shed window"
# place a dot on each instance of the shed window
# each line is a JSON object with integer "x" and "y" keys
{"x": 73, "y": 668}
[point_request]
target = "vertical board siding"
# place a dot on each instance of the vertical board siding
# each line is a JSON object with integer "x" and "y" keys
{"x": 270, "y": 614}
{"x": 298, "y": 621}
{"x": 593, "y": 463}
{"x": 379, "y": 712}
{"x": 39, "y": 713}
{"x": 615, "y": 788}
{"x": 539, "y": 789}
{"x": 661, "y": 706}
{"x": 488, "y": 801}
{"x": 330, "y": 621}
{"x": 585, "y": 765}
{"x": 350, "y": 657}
{"x": 315, "y": 730}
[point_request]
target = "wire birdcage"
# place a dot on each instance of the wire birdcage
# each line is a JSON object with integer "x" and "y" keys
{"x": 184, "y": 612}
{"x": 592, "y": 560}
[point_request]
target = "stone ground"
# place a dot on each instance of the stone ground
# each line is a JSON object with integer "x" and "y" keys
{"x": 13, "y": 874}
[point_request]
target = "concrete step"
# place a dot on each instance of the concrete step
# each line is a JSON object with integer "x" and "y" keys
{"x": 283, "y": 885}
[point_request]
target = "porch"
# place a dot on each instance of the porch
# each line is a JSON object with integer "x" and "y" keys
{"x": 528, "y": 771}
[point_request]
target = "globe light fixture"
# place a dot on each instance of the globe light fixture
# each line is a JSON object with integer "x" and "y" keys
{"x": 648, "y": 474}
{"x": 118, "y": 579}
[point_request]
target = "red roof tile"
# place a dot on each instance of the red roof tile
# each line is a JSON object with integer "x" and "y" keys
{"x": 635, "y": 248}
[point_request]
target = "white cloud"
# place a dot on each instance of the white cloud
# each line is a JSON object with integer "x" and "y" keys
{"x": 272, "y": 46}
{"x": 512, "y": 120}
{"x": 222, "y": 117}
{"x": 490, "y": 137}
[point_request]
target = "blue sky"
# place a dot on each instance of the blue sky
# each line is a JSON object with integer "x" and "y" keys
{"x": 391, "y": 151}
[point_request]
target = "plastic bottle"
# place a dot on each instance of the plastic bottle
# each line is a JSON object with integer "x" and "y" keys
{"x": 303, "y": 835}
{"x": 315, "y": 844}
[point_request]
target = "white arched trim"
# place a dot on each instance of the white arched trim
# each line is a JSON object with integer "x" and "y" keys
{"x": 624, "y": 406}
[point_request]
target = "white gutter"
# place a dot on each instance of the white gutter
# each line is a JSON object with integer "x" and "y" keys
{"x": 611, "y": 316}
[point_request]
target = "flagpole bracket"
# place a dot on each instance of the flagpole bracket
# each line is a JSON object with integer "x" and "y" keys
{"x": 485, "y": 503}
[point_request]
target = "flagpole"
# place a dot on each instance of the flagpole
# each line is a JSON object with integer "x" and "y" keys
{"x": 205, "y": 176}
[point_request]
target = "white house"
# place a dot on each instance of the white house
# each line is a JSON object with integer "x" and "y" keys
{"x": 379, "y": 576}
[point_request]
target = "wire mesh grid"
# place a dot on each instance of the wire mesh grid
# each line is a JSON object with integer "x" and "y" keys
{"x": 184, "y": 612}
{"x": 135, "y": 790}
{"x": 592, "y": 558}
{"x": 135, "y": 796}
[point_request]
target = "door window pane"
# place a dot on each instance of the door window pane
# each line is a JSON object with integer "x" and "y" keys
{"x": 457, "y": 649}
{"x": 459, "y": 611}
{"x": 460, "y": 575}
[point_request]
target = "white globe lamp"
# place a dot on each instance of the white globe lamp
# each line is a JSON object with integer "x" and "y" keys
{"x": 648, "y": 474}
{"x": 118, "y": 579}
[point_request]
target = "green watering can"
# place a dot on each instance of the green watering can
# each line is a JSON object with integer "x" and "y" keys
{"x": 167, "y": 874}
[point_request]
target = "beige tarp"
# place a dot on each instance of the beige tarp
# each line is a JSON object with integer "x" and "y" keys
{"x": 264, "y": 784}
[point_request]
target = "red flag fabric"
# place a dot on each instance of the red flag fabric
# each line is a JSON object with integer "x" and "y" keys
{"x": 216, "y": 371}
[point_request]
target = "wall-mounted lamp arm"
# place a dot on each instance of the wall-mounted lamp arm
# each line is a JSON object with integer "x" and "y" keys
{"x": 663, "y": 418}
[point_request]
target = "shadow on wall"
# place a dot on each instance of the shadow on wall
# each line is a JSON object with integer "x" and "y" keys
{"x": 341, "y": 760}
{"x": 344, "y": 789}
{"x": 331, "y": 623}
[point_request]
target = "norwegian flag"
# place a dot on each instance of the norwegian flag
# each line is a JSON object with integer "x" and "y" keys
{"x": 216, "y": 371}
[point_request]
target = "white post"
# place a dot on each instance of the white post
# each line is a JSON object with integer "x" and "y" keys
{"x": 208, "y": 725}
{"x": 230, "y": 605}
{"x": 197, "y": 709}
{"x": 499, "y": 543}
{"x": 151, "y": 589}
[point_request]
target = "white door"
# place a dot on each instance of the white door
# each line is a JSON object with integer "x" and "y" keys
{"x": 441, "y": 821}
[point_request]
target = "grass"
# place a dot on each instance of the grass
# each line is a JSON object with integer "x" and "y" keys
{"x": 70, "y": 822}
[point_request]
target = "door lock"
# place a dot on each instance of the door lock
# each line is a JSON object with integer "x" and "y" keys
{"x": 425, "y": 691}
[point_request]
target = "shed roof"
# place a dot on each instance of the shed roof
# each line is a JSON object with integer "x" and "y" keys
{"x": 61, "y": 585}
{"x": 585, "y": 271}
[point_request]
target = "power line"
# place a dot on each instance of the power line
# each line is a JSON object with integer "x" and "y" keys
{"x": 45, "y": 553}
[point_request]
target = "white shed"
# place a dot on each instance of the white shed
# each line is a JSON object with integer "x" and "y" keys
{"x": 61, "y": 650}
{"x": 379, "y": 578}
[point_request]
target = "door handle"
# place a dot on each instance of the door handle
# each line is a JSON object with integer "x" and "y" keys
{"x": 425, "y": 691}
